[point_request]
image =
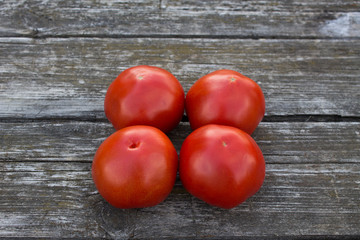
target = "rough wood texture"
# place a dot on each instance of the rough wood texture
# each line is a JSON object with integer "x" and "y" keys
{"x": 57, "y": 59}
{"x": 69, "y": 77}
{"x": 47, "y": 191}
{"x": 175, "y": 18}
{"x": 56, "y": 199}
{"x": 281, "y": 142}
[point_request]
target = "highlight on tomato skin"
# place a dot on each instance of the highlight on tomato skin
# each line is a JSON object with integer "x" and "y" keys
{"x": 225, "y": 97}
{"x": 221, "y": 165}
{"x": 145, "y": 95}
{"x": 135, "y": 167}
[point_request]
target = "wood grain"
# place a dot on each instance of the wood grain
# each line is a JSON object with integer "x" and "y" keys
{"x": 58, "y": 57}
{"x": 254, "y": 19}
{"x": 311, "y": 186}
{"x": 57, "y": 199}
{"x": 68, "y": 77}
{"x": 281, "y": 142}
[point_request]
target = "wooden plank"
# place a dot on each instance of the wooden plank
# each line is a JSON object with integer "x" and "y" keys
{"x": 265, "y": 6}
{"x": 293, "y": 200}
{"x": 172, "y": 18}
{"x": 57, "y": 199}
{"x": 52, "y": 120}
{"x": 47, "y": 200}
{"x": 68, "y": 77}
{"x": 73, "y": 141}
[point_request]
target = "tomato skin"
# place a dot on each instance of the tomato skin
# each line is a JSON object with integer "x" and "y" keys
{"x": 145, "y": 95}
{"x": 225, "y": 97}
{"x": 221, "y": 165}
{"x": 135, "y": 167}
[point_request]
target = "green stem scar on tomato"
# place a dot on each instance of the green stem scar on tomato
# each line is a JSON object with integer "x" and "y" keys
{"x": 135, "y": 167}
{"x": 221, "y": 165}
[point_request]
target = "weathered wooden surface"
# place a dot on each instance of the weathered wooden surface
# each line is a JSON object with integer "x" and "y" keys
{"x": 54, "y": 199}
{"x": 57, "y": 59}
{"x": 60, "y": 77}
{"x": 273, "y": 18}
{"x": 47, "y": 190}
{"x": 280, "y": 142}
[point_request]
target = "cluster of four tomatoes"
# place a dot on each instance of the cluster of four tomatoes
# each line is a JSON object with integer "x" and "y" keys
{"x": 220, "y": 163}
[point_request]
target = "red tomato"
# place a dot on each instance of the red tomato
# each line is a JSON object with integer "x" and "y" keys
{"x": 135, "y": 167}
{"x": 221, "y": 165}
{"x": 225, "y": 97}
{"x": 145, "y": 95}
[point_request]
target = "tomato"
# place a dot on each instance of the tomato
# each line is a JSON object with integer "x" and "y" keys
{"x": 221, "y": 165}
{"x": 225, "y": 97}
{"x": 135, "y": 167}
{"x": 145, "y": 95}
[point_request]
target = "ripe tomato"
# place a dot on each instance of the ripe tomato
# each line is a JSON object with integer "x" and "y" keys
{"x": 135, "y": 167}
{"x": 145, "y": 95}
{"x": 221, "y": 165}
{"x": 225, "y": 97}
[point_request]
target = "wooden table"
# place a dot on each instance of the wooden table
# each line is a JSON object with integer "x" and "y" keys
{"x": 57, "y": 59}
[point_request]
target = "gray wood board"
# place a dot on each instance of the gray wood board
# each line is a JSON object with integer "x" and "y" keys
{"x": 57, "y": 59}
{"x": 289, "y": 19}
{"x": 311, "y": 186}
{"x": 57, "y": 199}
{"x": 281, "y": 142}
{"x": 68, "y": 77}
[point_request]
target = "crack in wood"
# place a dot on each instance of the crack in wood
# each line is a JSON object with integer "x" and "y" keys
{"x": 185, "y": 119}
{"x": 36, "y": 34}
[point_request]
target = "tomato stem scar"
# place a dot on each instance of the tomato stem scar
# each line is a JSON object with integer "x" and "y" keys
{"x": 134, "y": 145}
